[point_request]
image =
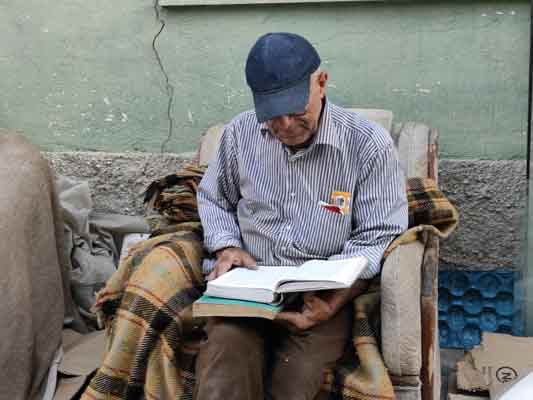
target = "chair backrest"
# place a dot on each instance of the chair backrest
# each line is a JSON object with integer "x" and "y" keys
{"x": 380, "y": 117}
{"x": 209, "y": 144}
{"x": 415, "y": 142}
{"x": 417, "y": 149}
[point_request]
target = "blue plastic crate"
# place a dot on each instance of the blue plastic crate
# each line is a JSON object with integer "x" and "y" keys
{"x": 473, "y": 302}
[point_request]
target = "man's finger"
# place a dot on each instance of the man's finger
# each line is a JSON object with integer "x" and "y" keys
{"x": 308, "y": 296}
{"x": 294, "y": 319}
{"x": 221, "y": 267}
{"x": 316, "y": 301}
{"x": 287, "y": 316}
{"x": 248, "y": 261}
{"x": 310, "y": 301}
{"x": 211, "y": 276}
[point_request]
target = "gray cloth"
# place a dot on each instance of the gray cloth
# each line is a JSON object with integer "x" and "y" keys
{"x": 49, "y": 388}
{"x": 35, "y": 279}
{"x": 92, "y": 239}
{"x": 39, "y": 254}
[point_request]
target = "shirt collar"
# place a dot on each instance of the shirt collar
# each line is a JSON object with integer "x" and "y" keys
{"x": 263, "y": 127}
{"x": 326, "y": 132}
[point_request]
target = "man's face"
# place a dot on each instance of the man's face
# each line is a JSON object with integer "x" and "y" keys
{"x": 298, "y": 129}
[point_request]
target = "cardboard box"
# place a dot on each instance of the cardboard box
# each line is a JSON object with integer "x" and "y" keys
{"x": 496, "y": 364}
{"x": 82, "y": 355}
{"x": 452, "y": 396}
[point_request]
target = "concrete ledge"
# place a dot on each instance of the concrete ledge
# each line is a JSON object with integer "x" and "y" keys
{"x": 490, "y": 196}
{"x": 117, "y": 180}
{"x": 492, "y": 200}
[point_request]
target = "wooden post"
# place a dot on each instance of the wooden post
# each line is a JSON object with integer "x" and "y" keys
{"x": 430, "y": 374}
{"x": 433, "y": 156}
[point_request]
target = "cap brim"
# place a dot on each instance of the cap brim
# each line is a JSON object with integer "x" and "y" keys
{"x": 292, "y": 100}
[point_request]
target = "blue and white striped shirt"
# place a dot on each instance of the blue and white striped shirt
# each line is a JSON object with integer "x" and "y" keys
{"x": 259, "y": 196}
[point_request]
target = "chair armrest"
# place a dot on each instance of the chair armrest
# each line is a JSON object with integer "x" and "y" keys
{"x": 400, "y": 310}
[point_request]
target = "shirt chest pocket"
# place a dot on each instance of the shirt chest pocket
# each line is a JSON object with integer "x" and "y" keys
{"x": 324, "y": 232}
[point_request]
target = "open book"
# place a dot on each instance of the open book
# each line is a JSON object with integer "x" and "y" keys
{"x": 268, "y": 284}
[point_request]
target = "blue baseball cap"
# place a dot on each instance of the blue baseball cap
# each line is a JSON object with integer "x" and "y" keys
{"x": 277, "y": 70}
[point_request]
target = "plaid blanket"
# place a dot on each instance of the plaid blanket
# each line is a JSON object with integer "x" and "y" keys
{"x": 146, "y": 307}
{"x": 146, "y": 310}
{"x": 429, "y": 207}
{"x": 172, "y": 200}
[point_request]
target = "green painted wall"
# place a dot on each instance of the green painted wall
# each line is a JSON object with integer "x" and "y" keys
{"x": 83, "y": 75}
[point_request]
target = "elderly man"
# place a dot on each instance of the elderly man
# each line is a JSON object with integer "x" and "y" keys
{"x": 261, "y": 202}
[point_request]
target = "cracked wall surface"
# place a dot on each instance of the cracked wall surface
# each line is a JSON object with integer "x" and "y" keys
{"x": 169, "y": 87}
{"x": 83, "y": 75}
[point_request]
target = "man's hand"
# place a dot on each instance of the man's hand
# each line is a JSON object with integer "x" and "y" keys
{"x": 229, "y": 257}
{"x": 314, "y": 311}
{"x": 320, "y": 309}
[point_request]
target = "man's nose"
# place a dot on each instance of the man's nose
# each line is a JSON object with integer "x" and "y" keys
{"x": 283, "y": 122}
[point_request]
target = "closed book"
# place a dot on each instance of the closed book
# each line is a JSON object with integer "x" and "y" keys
{"x": 207, "y": 306}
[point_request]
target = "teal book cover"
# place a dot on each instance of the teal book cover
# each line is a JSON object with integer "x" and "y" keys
{"x": 243, "y": 303}
{"x": 207, "y": 306}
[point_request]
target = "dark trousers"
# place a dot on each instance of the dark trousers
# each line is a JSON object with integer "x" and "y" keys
{"x": 255, "y": 359}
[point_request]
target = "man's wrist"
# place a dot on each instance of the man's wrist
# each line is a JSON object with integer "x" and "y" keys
{"x": 223, "y": 243}
{"x": 219, "y": 252}
{"x": 340, "y": 297}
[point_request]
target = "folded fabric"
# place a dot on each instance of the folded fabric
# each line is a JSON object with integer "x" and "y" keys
{"x": 91, "y": 239}
{"x": 429, "y": 206}
{"x": 172, "y": 200}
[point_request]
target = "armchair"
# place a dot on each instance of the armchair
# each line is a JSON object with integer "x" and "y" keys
{"x": 409, "y": 310}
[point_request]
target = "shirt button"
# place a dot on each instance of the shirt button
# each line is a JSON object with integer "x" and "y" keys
{"x": 293, "y": 194}
{"x": 288, "y": 227}
{"x": 283, "y": 248}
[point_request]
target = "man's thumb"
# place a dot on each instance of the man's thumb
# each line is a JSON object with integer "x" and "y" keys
{"x": 248, "y": 260}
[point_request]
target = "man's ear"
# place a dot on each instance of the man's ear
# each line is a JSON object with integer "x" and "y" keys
{"x": 322, "y": 81}
{"x": 323, "y": 78}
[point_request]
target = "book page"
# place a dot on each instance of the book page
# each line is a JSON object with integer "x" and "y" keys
{"x": 342, "y": 272}
{"x": 261, "y": 278}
